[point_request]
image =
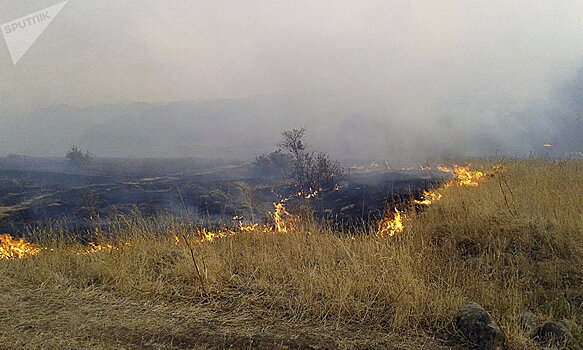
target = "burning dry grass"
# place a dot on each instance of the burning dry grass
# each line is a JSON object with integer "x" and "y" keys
{"x": 513, "y": 243}
{"x": 11, "y": 248}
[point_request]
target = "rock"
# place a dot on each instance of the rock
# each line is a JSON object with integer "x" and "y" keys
{"x": 479, "y": 328}
{"x": 529, "y": 322}
{"x": 348, "y": 207}
{"x": 555, "y": 333}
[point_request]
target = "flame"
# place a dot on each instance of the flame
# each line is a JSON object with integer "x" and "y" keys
{"x": 391, "y": 224}
{"x": 466, "y": 177}
{"x": 282, "y": 221}
{"x": 248, "y": 228}
{"x": 547, "y": 145}
{"x": 463, "y": 174}
{"x": 444, "y": 169}
{"x": 11, "y": 248}
{"x": 210, "y": 236}
{"x": 428, "y": 198}
{"x": 281, "y": 218}
{"x": 16, "y": 249}
{"x": 93, "y": 248}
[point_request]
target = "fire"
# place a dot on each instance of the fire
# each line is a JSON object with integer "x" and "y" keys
{"x": 467, "y": 177}
{"x": 11, "y": 248}
{"x": 547, "y": 145}
{"x": 93, "y": 248}
{"x": 428, "y": 198}
{"x": 248, "y": 228}
{"x": 209, "y": 236}
{"x": 463, "y": 174}
{"x": 281, "y": 218}
{"x": 391, "y": 225}
{"x": 282, "y": 221}
{"x": 444, "y": 169}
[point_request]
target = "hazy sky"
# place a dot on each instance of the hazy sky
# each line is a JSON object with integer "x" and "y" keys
{"x": 417, "y": 59}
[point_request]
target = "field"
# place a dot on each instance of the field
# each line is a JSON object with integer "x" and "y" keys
{"x": 37, "y": 192}
{"x": 513, "y": 243}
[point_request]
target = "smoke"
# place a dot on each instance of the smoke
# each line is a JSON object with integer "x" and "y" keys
{"x": 383, "y": 79}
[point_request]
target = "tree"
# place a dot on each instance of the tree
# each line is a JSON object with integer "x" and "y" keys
{"x": 77, "y": 158}
{"x": 310, "y": 171}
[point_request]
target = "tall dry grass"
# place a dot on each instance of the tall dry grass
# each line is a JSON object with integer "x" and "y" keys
{"x": 512, "y": 244}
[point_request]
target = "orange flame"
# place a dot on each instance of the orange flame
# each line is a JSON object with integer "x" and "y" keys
{"x": 463, "y": 174}
{"x": 97, "y": 248}
{"x": 248, "y": 228}
{"x": 11, "y": 248}
{"x": 444, "y": 169}
{"x": 391, "y": 225}
{"x": 282, "y": 221}
{"x": 210, "y": 236}
{"x": 467, "y": 177}
{"x": 281, "y": 218}
{"x": 428, "y": 198}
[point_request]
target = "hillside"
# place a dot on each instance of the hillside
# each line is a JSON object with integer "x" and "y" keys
{"x": 242, "y": 128}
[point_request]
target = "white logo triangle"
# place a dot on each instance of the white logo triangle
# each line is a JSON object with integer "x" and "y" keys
{"x": 21, "y": 33}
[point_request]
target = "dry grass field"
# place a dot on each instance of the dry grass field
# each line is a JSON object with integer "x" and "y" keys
{"x": 513, "y": 243}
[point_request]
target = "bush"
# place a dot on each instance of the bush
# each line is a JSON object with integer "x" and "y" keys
{"x": 274, "y": 164}
{"x": 77, "y": 158}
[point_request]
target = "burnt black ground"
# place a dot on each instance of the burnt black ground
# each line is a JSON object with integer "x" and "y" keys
{"x": 40, "y": 191}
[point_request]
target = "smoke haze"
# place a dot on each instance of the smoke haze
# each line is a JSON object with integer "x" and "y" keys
{"x": 368, "y": 79}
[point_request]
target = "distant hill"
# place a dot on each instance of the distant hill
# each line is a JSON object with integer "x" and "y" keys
{"x": 51, "y": 131}
{"x": 242, "y": 128}
{"x": 220, "y": 128}
{"x": 224, "y": 128}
